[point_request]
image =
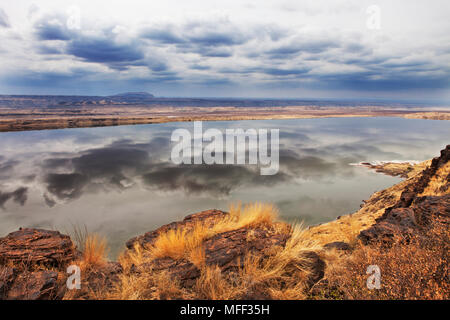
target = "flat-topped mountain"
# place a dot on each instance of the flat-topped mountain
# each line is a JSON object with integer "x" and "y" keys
{"x": 134, "y": 95}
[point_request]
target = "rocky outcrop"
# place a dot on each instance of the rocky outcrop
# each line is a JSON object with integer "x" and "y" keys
{"x": 99, "y": 278}
{"x": 402, "y": 223}
{"x": 37, "y": 285}
{"x": 412, "y": 191}
{"x": 7, "y": 276}
{"x": 412, "y": 214}
{"x": 17, "y": 284}
{"x": 29, "y": 263}
{"x": 228, "y": 249}
{"x": 182, "y": 270}
{"x": 36, "y": 246}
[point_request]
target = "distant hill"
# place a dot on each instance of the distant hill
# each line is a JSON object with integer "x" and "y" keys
{"x": 148, "y": 99}
{"x": 49, "y": 101}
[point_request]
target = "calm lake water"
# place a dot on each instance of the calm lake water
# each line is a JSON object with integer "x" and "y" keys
{"x": 120, "y": 182}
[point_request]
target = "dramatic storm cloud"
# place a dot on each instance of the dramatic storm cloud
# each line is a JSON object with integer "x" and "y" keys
{"x": 316, "y": 49}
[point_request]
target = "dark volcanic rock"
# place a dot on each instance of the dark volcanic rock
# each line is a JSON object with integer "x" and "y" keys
{"x": 36, "y": 246}
{"x": 430, "y": 208}
{"x": 228, "y": 249}
{"x": 182, "y": 270}
{"x": 208, "y": 217}
{"x": 398, "y": 222}
{"x": 103, "y": 276}
{"x": 338, "y": 245}
{"x": 7, "y": 276}
{"x": 100, "y": 278}
{"x": 401, "y": 223}
{"x": 225, "y": 250}
{"x": 38, "y": 285}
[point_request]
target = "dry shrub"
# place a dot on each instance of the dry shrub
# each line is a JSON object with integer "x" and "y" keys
{"x": 418, "y": 270}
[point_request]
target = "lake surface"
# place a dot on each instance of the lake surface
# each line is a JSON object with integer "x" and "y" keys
{"x": 120, "y": 181}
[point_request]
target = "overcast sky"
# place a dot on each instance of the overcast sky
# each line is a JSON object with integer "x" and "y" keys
{"x": 303, "y": 49}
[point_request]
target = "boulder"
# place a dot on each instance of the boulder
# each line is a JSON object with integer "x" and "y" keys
{"x": 182, "y": 270}
{"x": 27, "y": 247}
{"x": 38, "y": 285}
{"x": 228, "y": 249}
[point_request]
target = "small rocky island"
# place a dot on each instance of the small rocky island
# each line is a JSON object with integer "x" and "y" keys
{"x": 248, "y": 253}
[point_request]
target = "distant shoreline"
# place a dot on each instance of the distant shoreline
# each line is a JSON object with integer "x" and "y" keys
{"x": 33, "y": 118}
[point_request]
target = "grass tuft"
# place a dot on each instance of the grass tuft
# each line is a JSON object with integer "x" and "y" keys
{"x": 94, "y": 251}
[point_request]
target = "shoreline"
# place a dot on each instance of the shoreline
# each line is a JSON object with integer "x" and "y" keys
{"x": 99, "y": 117}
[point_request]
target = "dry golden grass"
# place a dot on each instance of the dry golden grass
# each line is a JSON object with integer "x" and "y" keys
{"x": 438, "y": 185}
{"x": 94, "y": 251}
{"x": 418, "y": 270}
{"x": 213, "y": 285}
{"x": 93, "y": 247}
{"x": 179, "y": 243}
{"x": 418, "y": 168}
{"x": 282, "y": 274}
{"x": 184, "y": 243}
{"x": 91, "y": 262}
